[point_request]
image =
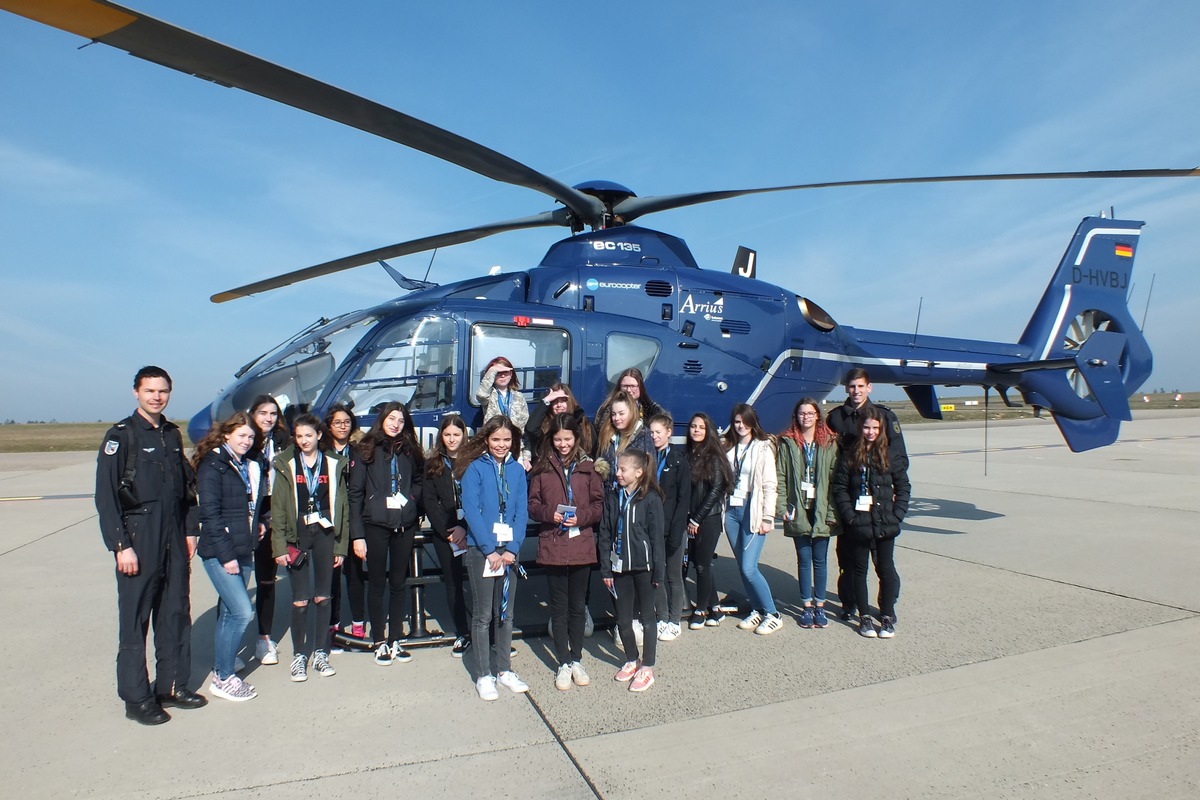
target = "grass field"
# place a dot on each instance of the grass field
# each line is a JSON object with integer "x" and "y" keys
{"x": 76, "y": 436}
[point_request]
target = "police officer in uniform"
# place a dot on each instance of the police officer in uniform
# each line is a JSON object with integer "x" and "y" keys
{"x": 846, "y": 422}
{"x": 142, "y": 496}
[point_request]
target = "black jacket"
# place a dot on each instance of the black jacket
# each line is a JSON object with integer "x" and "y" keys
{"x": 227, "y": 533}
{"x": 890, "y": 491}
{"x": 371, "y": 485}
{"x": 708, "y": 493}
{"x": 642, "y": 545}
{"x": 161, "y": 483}
{"x": 440, "y": 498}
{"x": 846, "y": 422}
{"x": 675, "y": 480}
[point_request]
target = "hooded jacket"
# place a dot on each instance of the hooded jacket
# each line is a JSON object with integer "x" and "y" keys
{"x": 548, "y": 490}
{"x": 285, "y": 501}
{"x": 640, "y": 534}
{"x": 228, "y": 532}
{"x": 890, "y": 491}
{"x": 790, "y": 467}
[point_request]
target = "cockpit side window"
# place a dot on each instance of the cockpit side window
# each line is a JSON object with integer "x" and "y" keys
{"x": 540, "y": 355}
{"x": 625, "y": 350}
{"x": 413, "y": 363}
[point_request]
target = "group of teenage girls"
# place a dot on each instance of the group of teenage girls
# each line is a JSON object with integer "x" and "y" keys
{"x": 326, "y": 502}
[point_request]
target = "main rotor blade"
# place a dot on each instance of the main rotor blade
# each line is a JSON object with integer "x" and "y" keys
{"x": 548, "y": 218}
{"x": 634, "y": 207}
{"x": 169, "y": 46}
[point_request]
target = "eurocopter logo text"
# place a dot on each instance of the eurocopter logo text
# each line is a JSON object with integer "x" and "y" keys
{"x": 593, "y": 284}
{"x": 713, "y": 311}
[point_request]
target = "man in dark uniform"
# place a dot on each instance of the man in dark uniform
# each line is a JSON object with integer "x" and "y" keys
{"x": 142, "y": 494}
{"x": 846, "y": 422}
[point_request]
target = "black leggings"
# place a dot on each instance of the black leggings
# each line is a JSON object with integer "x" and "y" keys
{"x": 265, "y": 571}
{"x": 354, "y": 569}
{"x": 384, "y": 545}
{"x": 568, "y": 601}
{"x": 311, "y": 581}
{"x": 635, "y": 590}
{"x": 885, "y": 568}
{"x": 454, "y": 580}
{"x": 702, "y": 549}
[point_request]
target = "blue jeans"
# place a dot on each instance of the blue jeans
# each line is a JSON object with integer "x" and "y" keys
{"x": 813, "y": 566}
{"x": 747, "y": 546}
{"x": 233, "y": 612}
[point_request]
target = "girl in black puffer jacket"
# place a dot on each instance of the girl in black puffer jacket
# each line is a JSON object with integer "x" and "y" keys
{"x": 385, "y": 500}
{"x": 230, "y": 488}
{"x": 871, "y": 492}
{"x": 712, "y": 480}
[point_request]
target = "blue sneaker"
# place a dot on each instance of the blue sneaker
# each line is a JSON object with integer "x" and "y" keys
{"x": 819, "y": 618}
{"x": 806, "y": 617}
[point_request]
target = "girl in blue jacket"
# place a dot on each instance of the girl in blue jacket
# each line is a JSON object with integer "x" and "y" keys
{"x": 495, "y": 510}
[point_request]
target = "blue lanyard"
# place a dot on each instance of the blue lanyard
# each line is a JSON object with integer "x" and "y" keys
{"x": 810, "y": 454}
{"x": 457, "y": 483}
{"x": 501, "y": 486}
{"x": 866, "y": 482}
{"x": 242, "y": 468}
{"x": 395, "y": 469}
{"x": 622, "y": 506}
{"x": 737, "y": 463}
{"x": 662, "y": 462}
{"x": 504, "y": 401}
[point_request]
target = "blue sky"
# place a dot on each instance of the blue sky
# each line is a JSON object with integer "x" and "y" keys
{"x": 130, "y": 193}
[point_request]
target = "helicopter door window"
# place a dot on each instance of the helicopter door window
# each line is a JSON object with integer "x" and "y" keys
{"x": 624, "y": 350}
{"x": 412, "y": 363}
{"x": 540, "y": 355}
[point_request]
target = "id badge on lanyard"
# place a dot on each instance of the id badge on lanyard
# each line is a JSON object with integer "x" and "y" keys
{"x": 864, "y": 498}
{"x": 501, "y": 529}
{"x": 396, "y": 499}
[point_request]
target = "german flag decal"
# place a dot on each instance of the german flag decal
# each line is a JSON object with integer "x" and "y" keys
{"x": 1124, "y": 250}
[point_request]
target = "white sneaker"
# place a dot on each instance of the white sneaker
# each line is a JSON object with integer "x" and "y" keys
{"x": 232, "y": 688}
{"x": 562, "y": 680}
{"x": 668, "y": 631}
{"x": 510, "y": 680}
{"x": 751, "y": 622}
{"x": 486, "y": 686}
{"x": 300, "y": 668}
{"x": 321, "y": 664}
{"x": 578, "y": 675}
{"x": 770, "y": 624}
{"x": 661, "y": 628}
{"x": 383, "y": 655}
{"x": 266, "y": 651}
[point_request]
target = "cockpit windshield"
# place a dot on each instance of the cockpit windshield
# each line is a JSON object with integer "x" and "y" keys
{"x": 297, "y": 372}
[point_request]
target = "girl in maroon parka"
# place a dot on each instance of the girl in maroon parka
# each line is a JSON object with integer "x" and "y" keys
{"x": 567, "y": 497}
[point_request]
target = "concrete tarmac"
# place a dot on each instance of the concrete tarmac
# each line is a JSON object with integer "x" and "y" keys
{"x": 1048, "y": 647}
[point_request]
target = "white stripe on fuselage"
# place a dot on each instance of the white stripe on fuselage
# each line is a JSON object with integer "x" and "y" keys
{"x": 822, "y": 355}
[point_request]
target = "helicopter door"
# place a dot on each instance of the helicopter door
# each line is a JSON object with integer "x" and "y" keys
{"x": 412, "y": 362}
{"x": 540, "y": 355}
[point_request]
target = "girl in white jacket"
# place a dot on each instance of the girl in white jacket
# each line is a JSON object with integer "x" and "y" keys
{"x": 750, "y": 515}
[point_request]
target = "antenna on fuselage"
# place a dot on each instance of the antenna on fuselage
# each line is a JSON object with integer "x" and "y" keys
{"x": 917, "y": 327}
{"x": 1147, "y": 310}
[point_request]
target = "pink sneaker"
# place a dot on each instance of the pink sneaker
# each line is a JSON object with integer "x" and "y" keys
{"x": 642, "y": 680}
{"x": 626, "y": 672}
{"x": 358, "y": 630}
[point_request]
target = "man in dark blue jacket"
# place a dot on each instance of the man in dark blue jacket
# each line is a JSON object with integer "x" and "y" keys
{"x": 142, "y": 494}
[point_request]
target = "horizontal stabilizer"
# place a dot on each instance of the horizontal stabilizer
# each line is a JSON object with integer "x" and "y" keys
{"x": 1088, "y": 434}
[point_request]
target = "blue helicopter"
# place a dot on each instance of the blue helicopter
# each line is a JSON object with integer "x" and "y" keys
{"x": 615, "y": 295}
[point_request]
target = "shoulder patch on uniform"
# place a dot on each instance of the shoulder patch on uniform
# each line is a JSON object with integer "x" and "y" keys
{"x": 110, "y": 447}
{"x": 895, "y": 426}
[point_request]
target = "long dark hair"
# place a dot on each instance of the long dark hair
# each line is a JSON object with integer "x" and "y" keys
{"x": 644, "y": 406}
{"x": 478, "y": 445}
{"x": 559, "y": 423}
{"x": 404, "y": 444}
{"x": 703, "y": 455}
{"x": 870, "y": 454}
{"x": 749, "y": 419}
{"x": 586, "y": 434}
{"x": 311, "y": 421}
{"x": 434, "y": 465}
{"x": 215, "y": 438}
